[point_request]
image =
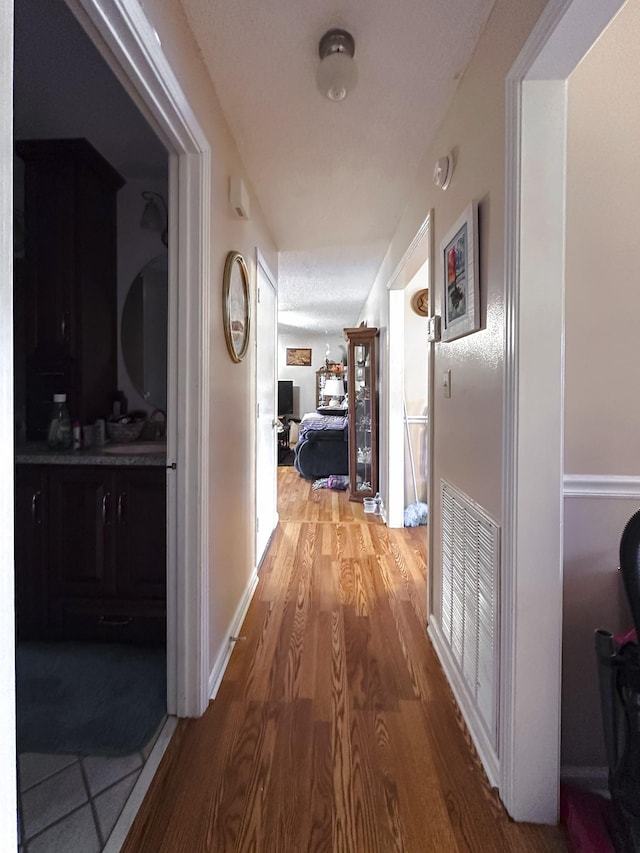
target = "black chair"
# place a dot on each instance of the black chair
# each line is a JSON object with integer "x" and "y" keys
{"x": 619, "y": 677}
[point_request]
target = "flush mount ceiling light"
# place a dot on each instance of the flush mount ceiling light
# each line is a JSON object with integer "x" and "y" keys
{"x": 337, "y": 73}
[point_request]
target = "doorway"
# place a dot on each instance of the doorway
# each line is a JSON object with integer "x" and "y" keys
{"x": 413, "y": 274}
{"x": 123, "y": 36}
{"x": 76, "y": 640}
{"x": 533, "y": 409}
{"x": 266, "y": 473}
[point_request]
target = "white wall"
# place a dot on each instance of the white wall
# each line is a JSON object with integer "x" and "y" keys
{"x": 230, "y": 478}
{"x": 304, "y": 378}
{"x": 468, "y": 426}
{"x": 602, "y": 408}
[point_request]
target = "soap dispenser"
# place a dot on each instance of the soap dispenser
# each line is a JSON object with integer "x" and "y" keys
{"x": 59, "y": 435}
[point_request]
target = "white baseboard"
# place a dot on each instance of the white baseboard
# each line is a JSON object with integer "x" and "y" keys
{"x": 220, "y": 665}
{"x": 479, "y": 736}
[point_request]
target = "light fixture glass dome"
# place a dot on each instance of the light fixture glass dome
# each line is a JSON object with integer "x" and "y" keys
{"x": 337, "y": 73}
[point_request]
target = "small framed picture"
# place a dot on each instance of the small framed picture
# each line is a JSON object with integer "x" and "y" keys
{"x": 461, "y": 277}
{"x": 297, "y": 357}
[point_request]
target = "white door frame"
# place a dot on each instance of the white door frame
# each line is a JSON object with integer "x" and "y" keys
{"x": 531, "y": 593}
{"x": 419, "y": 251}
{"x": 263, "y": 267}
{"x": 125, "y": 38}
{"x": 8, "y": 806}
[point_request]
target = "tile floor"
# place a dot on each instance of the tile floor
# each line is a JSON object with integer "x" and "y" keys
{"x": 70, "y": 804}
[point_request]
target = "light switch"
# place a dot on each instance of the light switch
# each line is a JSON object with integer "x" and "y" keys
{"x": 446, "y": 383}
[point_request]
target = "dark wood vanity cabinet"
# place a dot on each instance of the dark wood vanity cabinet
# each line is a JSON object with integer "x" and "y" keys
{"x": 104, "y": 565}
{"x": 70, "y": 279}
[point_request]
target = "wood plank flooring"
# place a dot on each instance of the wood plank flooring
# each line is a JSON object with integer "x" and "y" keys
{"x": 334, "y": 729}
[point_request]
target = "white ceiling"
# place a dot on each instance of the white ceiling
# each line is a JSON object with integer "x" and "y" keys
{"x": 333, "y": 178}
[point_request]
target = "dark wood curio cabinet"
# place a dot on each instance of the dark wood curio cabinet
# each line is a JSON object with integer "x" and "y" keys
{"x": 362, "y": 384}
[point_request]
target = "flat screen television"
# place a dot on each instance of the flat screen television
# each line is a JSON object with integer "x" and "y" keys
{"x": 285, "y": 397}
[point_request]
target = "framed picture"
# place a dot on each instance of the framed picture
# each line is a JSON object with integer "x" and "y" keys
{"x": 461, "y": 277}
{"x": 297, "y": 357}
{"x": 236, "y": 305}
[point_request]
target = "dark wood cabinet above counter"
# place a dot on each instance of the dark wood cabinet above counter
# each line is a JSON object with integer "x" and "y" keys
{"x": 69, "y": 311}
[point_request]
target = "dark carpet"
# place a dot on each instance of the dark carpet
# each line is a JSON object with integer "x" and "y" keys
{"x": 88, "y": 699}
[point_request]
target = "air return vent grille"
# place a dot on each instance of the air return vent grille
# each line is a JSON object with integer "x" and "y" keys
{"x": 470, "y": 566}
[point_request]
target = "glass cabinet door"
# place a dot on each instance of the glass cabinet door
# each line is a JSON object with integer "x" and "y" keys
{"x": 362, "y": 419}
{"x": 362, "y": 393}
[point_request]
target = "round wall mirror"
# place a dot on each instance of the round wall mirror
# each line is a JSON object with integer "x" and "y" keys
{"x": 236, "y": 306}
{"x": 143, "y": 332}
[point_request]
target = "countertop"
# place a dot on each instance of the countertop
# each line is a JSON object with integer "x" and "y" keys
{"x": 36, "y": 453}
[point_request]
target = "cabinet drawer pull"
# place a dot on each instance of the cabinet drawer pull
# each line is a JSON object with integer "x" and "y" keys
{"x": 105, "y": 507}
{"x": 115, "y": 621}
{"x": 35, "y": 500}
{"x": 63, "y": 326}
{"x": 121, "y": 507}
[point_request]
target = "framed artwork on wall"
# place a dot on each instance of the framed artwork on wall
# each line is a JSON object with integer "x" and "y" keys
{"x": 461, "y": 276}
{"x": 298, "y": 357}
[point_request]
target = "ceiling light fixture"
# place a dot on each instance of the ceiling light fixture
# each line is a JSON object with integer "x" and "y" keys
{"x": 337, "y": 73}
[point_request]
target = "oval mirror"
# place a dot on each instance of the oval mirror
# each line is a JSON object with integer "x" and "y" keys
{"x": 143, "y": 332}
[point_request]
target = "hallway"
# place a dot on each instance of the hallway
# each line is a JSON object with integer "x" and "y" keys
{"x": 333, "y": 729}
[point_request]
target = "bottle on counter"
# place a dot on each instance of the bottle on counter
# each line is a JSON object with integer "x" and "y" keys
{"x": 59, "y": 436}
{"x": 99, "y": 432}
{"x": 77, "y": 435}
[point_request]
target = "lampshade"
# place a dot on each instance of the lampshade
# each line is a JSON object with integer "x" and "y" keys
{"x": 337, "y": 73}
{"x": 333, "y": 388}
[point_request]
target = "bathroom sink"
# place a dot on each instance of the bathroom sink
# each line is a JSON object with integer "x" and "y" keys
{"x": 136, "y": 447}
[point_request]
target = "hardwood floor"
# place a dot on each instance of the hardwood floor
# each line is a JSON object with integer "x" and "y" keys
{"x": 334, "y": 728}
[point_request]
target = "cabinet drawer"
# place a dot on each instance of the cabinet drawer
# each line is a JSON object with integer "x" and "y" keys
{"x": 108, "y": 620}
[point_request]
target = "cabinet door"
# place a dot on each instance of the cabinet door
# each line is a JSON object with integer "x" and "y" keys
{"x": 30, "y": 553}
{"x": 49, "y": 255}
{"x": 363, "y": 411}
{"x": 141, "y": 526}
{"x": 82, "y": 514}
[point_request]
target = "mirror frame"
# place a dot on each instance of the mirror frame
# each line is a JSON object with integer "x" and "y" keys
{"x": 236, "y": 306}
{"x": 133, "y": 331}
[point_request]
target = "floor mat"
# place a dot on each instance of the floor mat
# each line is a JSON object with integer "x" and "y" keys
{"x": 88, "y": 699}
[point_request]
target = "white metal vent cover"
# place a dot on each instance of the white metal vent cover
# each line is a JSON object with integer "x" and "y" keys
{"x": 470, "y": 580}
